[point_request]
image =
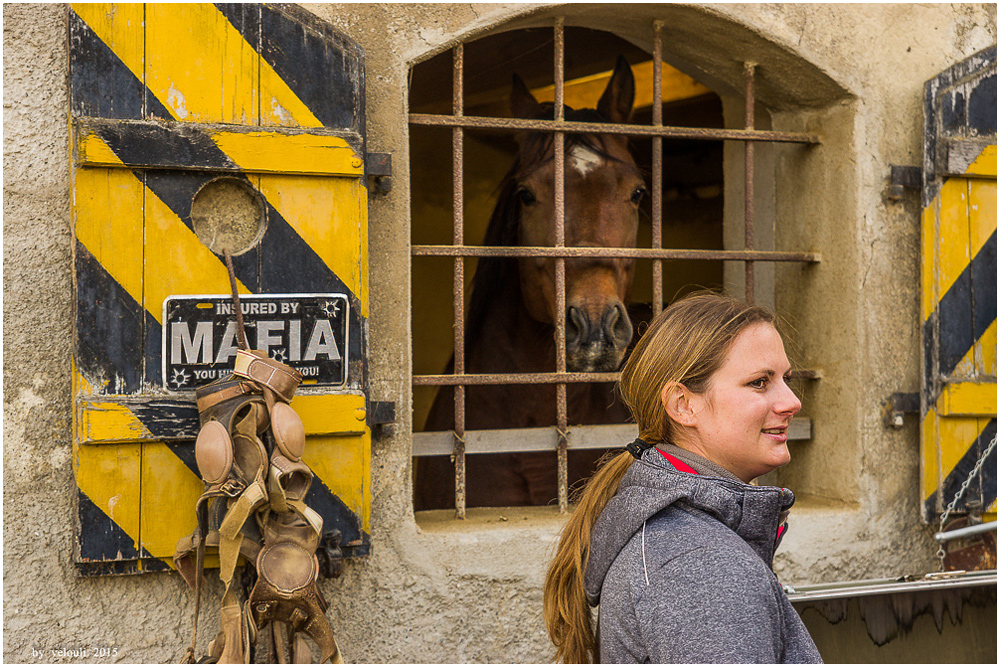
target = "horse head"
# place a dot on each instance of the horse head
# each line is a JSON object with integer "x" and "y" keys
{"x": 603, "y": 191}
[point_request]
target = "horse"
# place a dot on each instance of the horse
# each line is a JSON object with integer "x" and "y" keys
{"x": 511, "y": 322}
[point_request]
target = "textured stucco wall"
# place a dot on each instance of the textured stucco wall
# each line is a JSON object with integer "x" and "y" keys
{"x": 449, "y": 592}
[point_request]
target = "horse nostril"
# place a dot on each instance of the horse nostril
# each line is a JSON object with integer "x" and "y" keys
{"x": 577, "y": 327}
{"x": 617, "y": 326}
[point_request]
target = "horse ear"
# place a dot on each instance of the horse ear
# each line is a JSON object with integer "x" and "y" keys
{"x": 522, "y": 103}
{"x": 616, "y": 102}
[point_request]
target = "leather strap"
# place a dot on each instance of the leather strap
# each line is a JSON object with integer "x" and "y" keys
{"x": 276, "y": 376}
{"x": 208, "y": 401}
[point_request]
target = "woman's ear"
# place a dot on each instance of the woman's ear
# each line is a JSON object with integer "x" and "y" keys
{"x": 676, "y": 399}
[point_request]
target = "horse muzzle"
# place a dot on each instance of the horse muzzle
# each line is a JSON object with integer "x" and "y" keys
{"x": 596, "y": 340}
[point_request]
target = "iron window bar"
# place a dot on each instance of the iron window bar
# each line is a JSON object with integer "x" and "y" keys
{"x": 459, "y": 122}
{"x": 466, "y": 379}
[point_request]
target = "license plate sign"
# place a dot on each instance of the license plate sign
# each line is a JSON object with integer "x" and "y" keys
{"x": 305, "y": 331}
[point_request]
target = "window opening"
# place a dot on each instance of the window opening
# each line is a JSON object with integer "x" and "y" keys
{"x": 427, "y": 116}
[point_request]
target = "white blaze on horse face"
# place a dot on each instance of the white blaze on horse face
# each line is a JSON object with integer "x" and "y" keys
{"x": 584, "y": 160}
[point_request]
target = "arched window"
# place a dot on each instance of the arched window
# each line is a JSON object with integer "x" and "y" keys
{"x": 505, "y": 412}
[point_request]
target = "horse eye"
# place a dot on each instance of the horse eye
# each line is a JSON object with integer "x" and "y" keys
{"x": 526, "y": 197}
{"x": 637, "y": 195}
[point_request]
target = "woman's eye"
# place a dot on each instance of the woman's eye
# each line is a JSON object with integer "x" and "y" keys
{"x": 526, "y": 197}
{"x": 637, "y": 195}
{"x": 759, "y": 383}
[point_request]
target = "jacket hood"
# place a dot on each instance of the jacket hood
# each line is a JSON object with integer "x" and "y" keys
{"x": 651, "y": 485}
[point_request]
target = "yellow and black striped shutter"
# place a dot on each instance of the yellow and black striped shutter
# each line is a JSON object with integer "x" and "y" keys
{"x": 959, "y": 287}
{"x": 165, "y": 98}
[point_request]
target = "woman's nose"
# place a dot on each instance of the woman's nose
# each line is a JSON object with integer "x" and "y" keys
{"x": 787, "y": 402}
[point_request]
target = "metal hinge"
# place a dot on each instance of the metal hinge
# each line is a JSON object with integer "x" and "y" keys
{"x": 896, "y": 406}
{"x": 379, "y": 167}
{"x": 381, "y": 414}
{"x": 904, "y": 177}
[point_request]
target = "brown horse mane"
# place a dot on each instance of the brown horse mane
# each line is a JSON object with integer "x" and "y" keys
{"x": 500, "y": 274}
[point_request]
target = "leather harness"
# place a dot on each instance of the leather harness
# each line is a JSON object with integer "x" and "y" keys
{"x": 249, "y": 454}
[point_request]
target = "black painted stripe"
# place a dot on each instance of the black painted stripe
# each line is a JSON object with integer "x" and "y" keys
{"x": 984, "y": 285}
{"x": 101, "y": 539}
{"x": 153, "y": 352}
{"x": 983, "y": 490}
{"x": 245, "y": 17}
{"x": 176, "y": 189}
{"x": 336, "y": 515}
{"x": 108, "y": 329}
{"x": 168, "y": 419}
{"x": 975, "y": 65}
{"x": 101, "y": 85}
{"x": 185, "y": 452}
{"x": 148, "y": 143}
{"x": 323, "y": 68}
{"x": 964, "y": 313}
{"x": 109, "y": 568}
{"x": 982, "y": 112}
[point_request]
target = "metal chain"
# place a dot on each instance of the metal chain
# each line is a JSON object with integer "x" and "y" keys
{"x": 961, "y": 492}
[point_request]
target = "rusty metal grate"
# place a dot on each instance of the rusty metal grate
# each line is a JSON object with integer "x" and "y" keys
{"x": 459, "y": 122}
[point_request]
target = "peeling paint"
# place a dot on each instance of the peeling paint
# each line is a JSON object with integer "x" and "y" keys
{"x": 177, "y": 102}
{"x": 281, "y": 112}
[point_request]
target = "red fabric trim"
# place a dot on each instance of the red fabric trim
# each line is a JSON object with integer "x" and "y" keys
{"x": 677, "y": 463}
{"x": 781, "y": 530}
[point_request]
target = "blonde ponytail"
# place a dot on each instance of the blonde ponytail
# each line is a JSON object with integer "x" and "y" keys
{"x": 565, "y": 606}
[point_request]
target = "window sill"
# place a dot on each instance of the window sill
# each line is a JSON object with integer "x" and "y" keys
{"x": 491, "y": 519}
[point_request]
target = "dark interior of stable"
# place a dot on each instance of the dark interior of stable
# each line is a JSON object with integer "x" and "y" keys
{"x": 692, "y": 170}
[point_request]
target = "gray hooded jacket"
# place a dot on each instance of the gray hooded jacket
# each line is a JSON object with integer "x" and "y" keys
{"x": 681, "y": 566}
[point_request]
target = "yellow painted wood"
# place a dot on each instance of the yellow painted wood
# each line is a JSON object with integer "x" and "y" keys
{"x": 107, "y": 215}
{"x": 363, "y": 250}
{"x": 584, "y": 92}
{"x": 343, "y": 463}
{"x": 956, "y": 434}
{"x": 930, "y": 456}
{"x": 181, "y": 264}
{"x": 119, "y": 26}
{"x": 110, "y": 477}
{"x": 199, "y": 66}
{"x": 982, "y": 212}
{"x": 275, "y": 152}
{"x": 985, "y": 164}
{"x": 170, "y": 491}
{"x": 81, "y": 387}
{"x": 108, "y": 422}
{"x": 969, "y": 399}
{"x": 986, "y": 349}
{"x": 928, "y": 243}
{"x": 92, "y": 151}
{"x": 953, "y": 240}
{"x": 331, "y": 215}
{"x": 331, "y": 414}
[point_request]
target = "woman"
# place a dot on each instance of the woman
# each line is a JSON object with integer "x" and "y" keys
{"x": 670, "y": 537}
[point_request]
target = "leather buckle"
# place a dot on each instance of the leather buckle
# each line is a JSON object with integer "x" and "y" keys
{"x": 233, "y": 487}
